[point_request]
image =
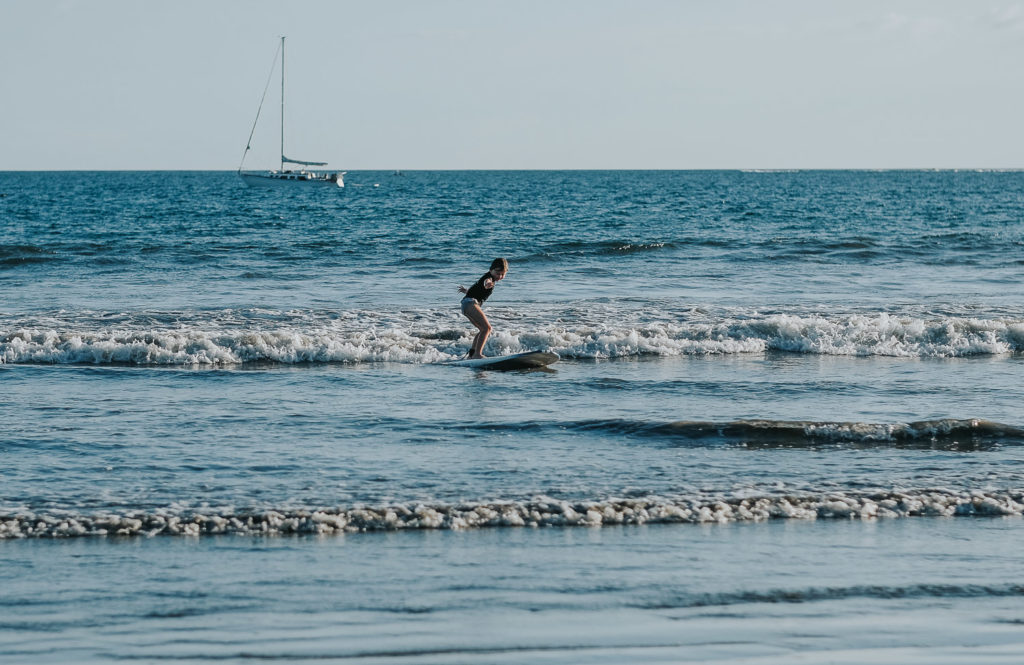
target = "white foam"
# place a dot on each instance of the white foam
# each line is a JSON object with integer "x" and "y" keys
{"x": 539, "y": 512}
{"x": 854, "y": 335}
{"x": 228, "y": 337}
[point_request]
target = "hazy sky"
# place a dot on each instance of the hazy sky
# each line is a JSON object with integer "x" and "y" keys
{"x": 476, "y": 84}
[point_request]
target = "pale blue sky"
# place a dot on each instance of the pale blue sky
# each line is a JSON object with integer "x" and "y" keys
{"x": 130, "y": 84}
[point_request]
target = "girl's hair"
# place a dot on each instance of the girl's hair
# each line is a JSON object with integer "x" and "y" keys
{"x": 500, "y": 264}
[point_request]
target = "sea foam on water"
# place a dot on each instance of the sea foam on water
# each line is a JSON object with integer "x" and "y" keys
{"x": 359, "y": 337}
{"x": 539, "y": 512}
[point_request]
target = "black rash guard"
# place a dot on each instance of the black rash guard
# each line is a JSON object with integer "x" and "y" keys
{"x": 478, "y": 291}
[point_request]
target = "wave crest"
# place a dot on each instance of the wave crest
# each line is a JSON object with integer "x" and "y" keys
{"x": 539, "y": 512}
{"x": 220, "y": 338}
{"x": 951, "y": 433}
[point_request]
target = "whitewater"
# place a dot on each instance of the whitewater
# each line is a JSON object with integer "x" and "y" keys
{"x": 230, "y": 337}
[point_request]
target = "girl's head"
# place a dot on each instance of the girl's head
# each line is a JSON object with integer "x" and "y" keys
{"x": 498, "y": 268}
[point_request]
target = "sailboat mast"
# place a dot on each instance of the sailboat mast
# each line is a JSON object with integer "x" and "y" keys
{"x": 282, "y": 104}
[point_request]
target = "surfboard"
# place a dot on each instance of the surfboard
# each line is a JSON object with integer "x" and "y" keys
{"x": 528, "y": 360}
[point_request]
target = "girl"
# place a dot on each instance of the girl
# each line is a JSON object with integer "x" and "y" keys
{"x": 475, "y": 297}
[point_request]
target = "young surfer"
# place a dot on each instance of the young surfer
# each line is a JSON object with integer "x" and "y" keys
{"x": 475, "y": 297}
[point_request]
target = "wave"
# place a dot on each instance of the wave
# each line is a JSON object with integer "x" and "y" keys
{"x": 819, "y": 594}
{"x": 557, "y": 251}
{"x": 202, "y": 348}
{"x": 538, "y": 512}
{"x": 425, "y": 336}
{"x": 948, "y": 433}
{"x": 16, "y": 255}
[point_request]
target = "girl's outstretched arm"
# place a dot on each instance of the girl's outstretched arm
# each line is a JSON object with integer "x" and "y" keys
{"x": 463, "y": 289}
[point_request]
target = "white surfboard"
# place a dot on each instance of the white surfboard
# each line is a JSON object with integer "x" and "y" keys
{"x": 528, "y": 360}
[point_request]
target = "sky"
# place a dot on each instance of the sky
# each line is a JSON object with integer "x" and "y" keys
{"x": 529, "y": 84}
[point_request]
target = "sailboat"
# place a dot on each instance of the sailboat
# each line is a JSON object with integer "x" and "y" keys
{"x": 287, "y": 175}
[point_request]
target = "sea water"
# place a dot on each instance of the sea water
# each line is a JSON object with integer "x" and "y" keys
{"x": 786, "y": 423}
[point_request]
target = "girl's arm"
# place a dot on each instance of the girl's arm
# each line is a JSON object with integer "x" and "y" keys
{"x": 463, "y": 289}
{"x": 488, "y": 283}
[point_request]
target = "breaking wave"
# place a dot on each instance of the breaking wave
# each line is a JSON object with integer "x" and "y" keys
{"x": 538, "y": 512}
{"x": 946, "y": 433}
{"x": 224, "y": 338}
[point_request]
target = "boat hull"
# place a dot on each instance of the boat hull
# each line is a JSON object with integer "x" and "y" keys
{"x": 276, "y": 180}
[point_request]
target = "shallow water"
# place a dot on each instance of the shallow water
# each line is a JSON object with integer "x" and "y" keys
{"x": 823, "y": 365}
{"x": 910, "y": 591}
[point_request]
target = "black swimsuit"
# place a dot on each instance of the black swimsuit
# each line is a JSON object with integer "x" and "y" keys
{"x": 478, "y": 291}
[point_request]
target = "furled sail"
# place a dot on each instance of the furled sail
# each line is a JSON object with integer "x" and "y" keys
{"x": 299, "y": 161}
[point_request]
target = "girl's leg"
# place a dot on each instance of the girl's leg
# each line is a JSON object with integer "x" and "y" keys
{"x": 477, "y": 317}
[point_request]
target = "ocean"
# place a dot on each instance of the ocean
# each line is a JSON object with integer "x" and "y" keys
{"x": 786, "y": 424}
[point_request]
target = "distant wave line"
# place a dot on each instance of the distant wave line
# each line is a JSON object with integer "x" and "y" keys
{"x": 819, "y": 594}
